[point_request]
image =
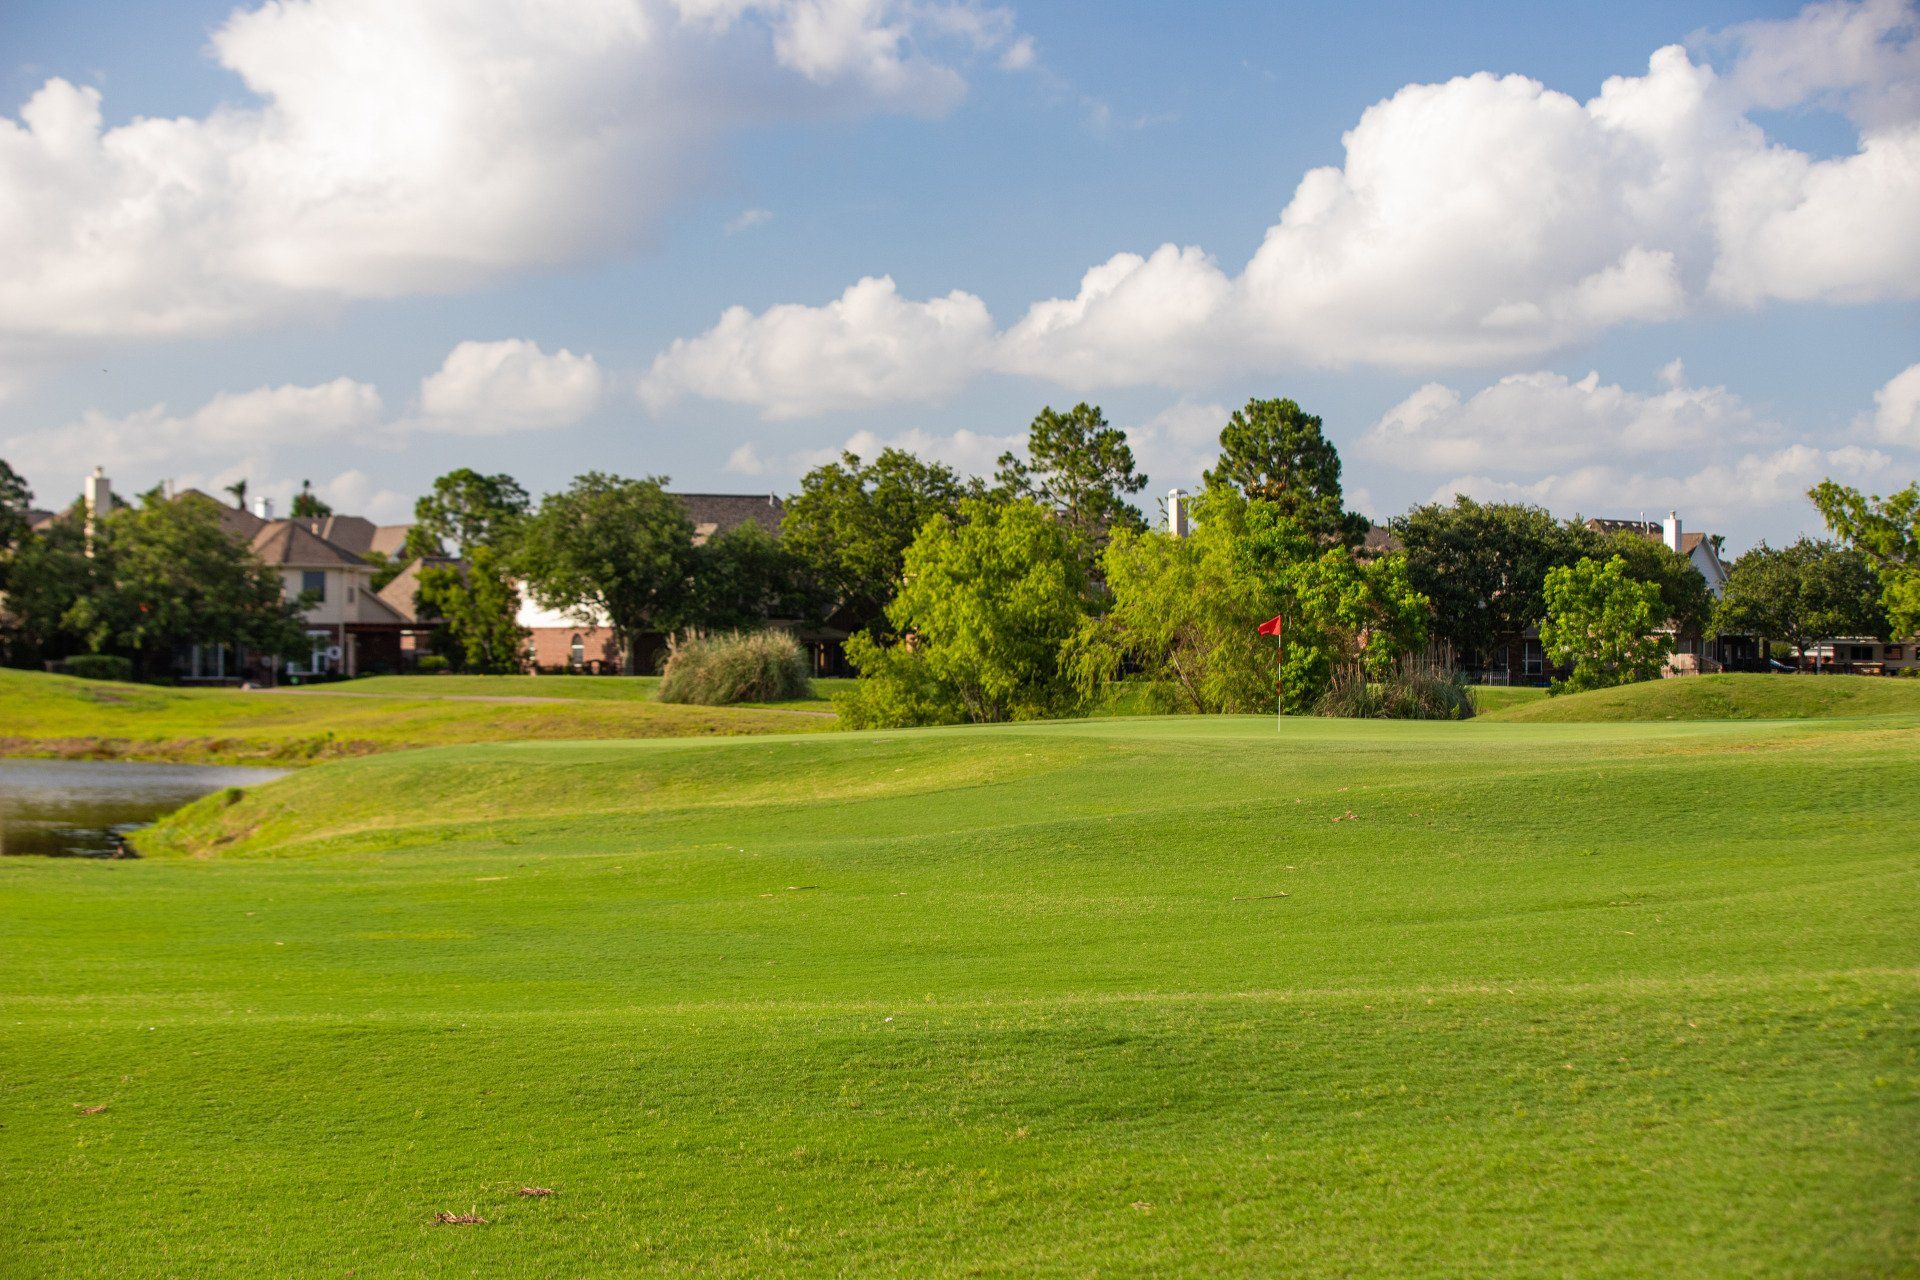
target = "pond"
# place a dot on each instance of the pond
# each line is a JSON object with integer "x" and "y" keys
{"x": 82, "y": 808}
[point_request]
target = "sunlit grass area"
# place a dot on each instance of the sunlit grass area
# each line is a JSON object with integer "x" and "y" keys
{"x": 58, "y": 716}
{"x": 1177, "y": 996}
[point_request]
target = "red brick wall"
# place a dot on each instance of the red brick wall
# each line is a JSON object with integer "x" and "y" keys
{"x": 552, "y": 648}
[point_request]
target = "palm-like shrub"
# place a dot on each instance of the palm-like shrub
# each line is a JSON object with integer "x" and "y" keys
{"x": 739, "y": 666}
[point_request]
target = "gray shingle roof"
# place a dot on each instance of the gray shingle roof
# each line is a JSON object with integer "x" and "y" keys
{"x": 717, "y": 513}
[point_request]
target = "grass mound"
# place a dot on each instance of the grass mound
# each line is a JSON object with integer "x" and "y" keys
{"x": 1174, "y": 997}
{"x": 1729, "y": 697}
{"x": 741, "y": 666}
{"x": 47, "y": 715}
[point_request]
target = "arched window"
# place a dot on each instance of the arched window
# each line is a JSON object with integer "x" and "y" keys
{"x": 577, "y": 653}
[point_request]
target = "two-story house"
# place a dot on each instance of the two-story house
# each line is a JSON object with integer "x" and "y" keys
{"x": 351, "y": 627}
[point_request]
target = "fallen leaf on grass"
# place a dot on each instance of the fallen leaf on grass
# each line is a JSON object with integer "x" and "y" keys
{"x": 459, "y": 1219}
{"x": 1348, "y": 816}
{"x": 536, "y": 1191}
{"x": 1143, "y": 1206}
{"x": 85, "y": 1110}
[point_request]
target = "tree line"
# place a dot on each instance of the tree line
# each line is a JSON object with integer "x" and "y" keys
{"x": 1017, "y": 595}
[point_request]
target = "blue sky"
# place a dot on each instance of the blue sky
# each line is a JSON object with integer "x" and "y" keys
{"x": 242, "y": 325}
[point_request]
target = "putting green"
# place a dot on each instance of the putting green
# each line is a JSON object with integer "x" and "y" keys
{"x": 1135, "y": 997}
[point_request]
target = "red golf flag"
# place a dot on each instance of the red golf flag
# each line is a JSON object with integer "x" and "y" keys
{"x": 1271, "y": 627}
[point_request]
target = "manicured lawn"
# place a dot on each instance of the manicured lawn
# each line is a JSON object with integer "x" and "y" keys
{"x": 1730, "y": 697}
{"x": 1488, "y": 698}
{"x": 58, "y": 716}
{"x": 604, "y": 688}
{"x": 1157, "y": 997}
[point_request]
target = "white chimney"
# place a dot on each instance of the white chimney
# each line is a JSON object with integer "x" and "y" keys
{"x": 1670, "y": 531}
{"x": 263, "y": 507}
{"x": 99, "y": 499}
{"x": 1179, "y": 516}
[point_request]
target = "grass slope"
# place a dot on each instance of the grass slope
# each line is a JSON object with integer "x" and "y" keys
{"x": 599, "y": 688}
{"x": 47, "y": 715}
{"x": 1154, "y": 998}
{"x": 1729, "y": 697}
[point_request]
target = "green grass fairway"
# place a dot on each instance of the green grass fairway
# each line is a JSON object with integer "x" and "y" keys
{"x": 58, "y": 716}
{"x": 604, "y": 688}
{"x": 1728, "y": 697}
{"x": 1164, "y": 997}
{"x": 1489, "y": 698}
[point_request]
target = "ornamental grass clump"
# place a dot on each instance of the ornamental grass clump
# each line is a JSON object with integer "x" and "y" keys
{"x": 740, "y": 666}
{"x": 1413, "y": 689}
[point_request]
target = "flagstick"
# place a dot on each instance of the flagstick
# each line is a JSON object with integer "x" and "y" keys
{"x": 1279, "y": 681}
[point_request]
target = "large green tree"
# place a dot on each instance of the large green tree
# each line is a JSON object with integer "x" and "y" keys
{"x": 49, "y": 571}
{"x": 1275, "y": 451}
{"x": 161, "y": 575}
{"x": 852, "y": 522}
{"x": 1801, "y": 593}
{"x": 1604, "y": 624}
{"x": 611, "y": 547}
{"x": 478, "y": 606}
{"x": 1684, "y": 597}
{"x": 1184, "y": 610}
{"x": 988, "y": 602}
{"x": 746, "y": 577}
{"x": 1082, "y": 469}
{"x": 1484, "y": 566}
{"x": 1887, "y": 530}
{"x": 464, "y": 510}
{"x": 15, "y": 498}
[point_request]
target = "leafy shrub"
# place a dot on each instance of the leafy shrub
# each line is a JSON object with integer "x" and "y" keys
{"x": 1604, "y": 624}
{"x": 740, "y": 666}
{"x": 986, "y": 608}
{"x": 431, "y": 664}
{"x": 1412, "y": 690}
{"x": 98, "y": 666}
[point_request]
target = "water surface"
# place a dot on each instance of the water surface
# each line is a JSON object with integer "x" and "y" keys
{"x": 83, "y": 808}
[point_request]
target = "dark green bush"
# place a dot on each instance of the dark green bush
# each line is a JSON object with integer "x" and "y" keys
{"x": 98, "y": 666}
{"x": 1414, "y": 690}
{"x": 758, "y": 666}
{"x": 431, "y": 664}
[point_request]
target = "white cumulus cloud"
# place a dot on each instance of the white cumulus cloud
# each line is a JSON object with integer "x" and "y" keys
{"x": 868, "y": 346}
{"x": 1533, "y": 421}
{"x": 1492, "y": 218}
{"x": 157, "y": 442}
{"x": 393, "y": 149}
{"x": 492, "y": 388}
{"x": 1896, "y": 413}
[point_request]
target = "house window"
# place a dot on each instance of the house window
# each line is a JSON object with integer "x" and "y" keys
{"x": 1895, "y": 652}
{"x": 314, "y": 581}
{"x": 1861, "y": 653}
{"x": 209, "y": 662}
{"x": 577, "y": 653}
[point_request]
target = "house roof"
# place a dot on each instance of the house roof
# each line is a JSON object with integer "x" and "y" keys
{"x": 399, "y": 594}
{"x": 717, "y": 513}
{"x": 1650, "y": 529}
{"x": 350, "y": 533}
{"x": 1379, "y": 541}
{"x": 290, "y": 544}
{"x": 237, "y": 521}
{"x": 388, "y": 539}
